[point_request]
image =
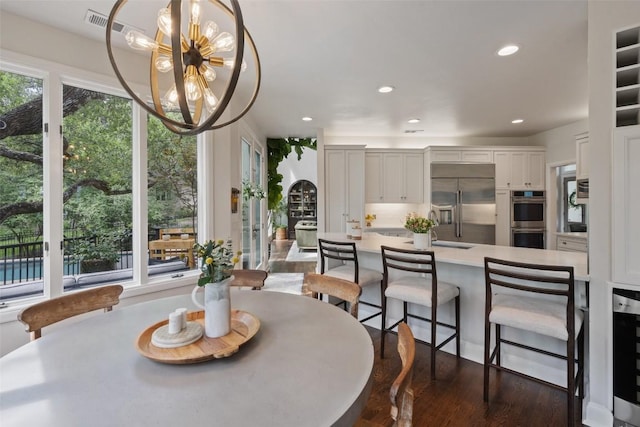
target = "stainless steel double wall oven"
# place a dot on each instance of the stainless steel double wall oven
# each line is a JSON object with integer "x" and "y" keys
{"x": 528, "y": 219}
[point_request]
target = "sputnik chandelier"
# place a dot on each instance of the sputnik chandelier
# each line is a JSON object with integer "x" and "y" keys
{"x": 191, "y": 59}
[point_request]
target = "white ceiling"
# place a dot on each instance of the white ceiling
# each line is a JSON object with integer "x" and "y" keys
{"x": 326, "y": 58}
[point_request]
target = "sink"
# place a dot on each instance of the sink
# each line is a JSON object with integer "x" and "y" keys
{"x": 455, "y": 245}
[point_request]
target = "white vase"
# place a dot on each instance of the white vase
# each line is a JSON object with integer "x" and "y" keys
{"x": 422, "y": 240}
{"x": 217, "y": 307}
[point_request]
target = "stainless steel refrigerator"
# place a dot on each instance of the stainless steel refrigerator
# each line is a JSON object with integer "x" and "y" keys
{"x": 463, "y": 200}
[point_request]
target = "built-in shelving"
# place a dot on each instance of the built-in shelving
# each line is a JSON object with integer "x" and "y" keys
{"x": 628, "y": 77}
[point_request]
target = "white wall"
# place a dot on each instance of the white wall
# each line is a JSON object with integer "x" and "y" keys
{"x": 560, "y": 142}
{"x": 293, "y": 170}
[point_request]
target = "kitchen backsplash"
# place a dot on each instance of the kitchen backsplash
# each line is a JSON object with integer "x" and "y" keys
{"x": 392, "y": 214}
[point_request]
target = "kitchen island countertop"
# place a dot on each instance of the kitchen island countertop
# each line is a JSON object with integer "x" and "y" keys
{"x": 473, "y": 255}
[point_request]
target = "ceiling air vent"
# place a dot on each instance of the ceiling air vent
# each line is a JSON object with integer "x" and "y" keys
{"x": 413, "y": 131}
{"x": 94, "y": 18}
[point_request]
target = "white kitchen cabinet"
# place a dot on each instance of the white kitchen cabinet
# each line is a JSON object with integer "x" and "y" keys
{"x": 569, "y": 243}
{"x": 344, "y": 186}
{"x": 582, "y": 156}
{"x": 460, "y": 154}
{"x": 503, "y": 218}
{"x": 394, "y": 177}
{"x": 373, "y": 177}
{"x": 519, "y": 169}
{"x": 625, "y": 205}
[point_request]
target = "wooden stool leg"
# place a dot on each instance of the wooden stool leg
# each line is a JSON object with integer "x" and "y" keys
{"x": 487, "y": 352}
{"x": 457, "y": 308}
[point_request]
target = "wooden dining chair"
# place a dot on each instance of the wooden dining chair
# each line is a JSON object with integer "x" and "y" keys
{"x": 539, "y": 299}
{"x": 401, "y": 392}
{"x": 54, "y": 310}
{"x": 316, "y": 285}
{"x": 249, "y": 278}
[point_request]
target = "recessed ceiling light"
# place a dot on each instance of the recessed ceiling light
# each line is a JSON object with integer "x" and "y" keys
{"x": 508, "y": 50}
{"x": 413, "y": 121}
{"x": 307, "y": 119}
{"x": 385, "y": 89}
{"x": 517, "y": 121}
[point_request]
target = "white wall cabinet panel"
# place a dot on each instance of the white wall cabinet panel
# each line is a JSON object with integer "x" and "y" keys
{"x": 394, "y": 177}
{"x": 571, "y": 244}
{"x": 503, "y": 218}
{"x": 626, "y": 205}
{"x": 582, "y": 156}
{"x": 413, "y": 178}
{"x": 519, "y": 170}
{"x": 393, "y": 182}
{"x": 460, "y": 154}
{"x": 477, "y": 156}
{"x": 373, "y": 170}
{"x": 344, "y": 187}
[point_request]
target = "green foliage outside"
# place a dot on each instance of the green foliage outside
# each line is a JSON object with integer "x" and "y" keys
{"x": 277, "y": 150}
{"x": 97, "y": 165}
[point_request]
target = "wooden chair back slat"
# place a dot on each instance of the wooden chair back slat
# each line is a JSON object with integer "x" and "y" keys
{"x": 54, "y": 310}
{"x": 401, "y": 393}
{"x": 251, "y": 278}
{"x": 345, "y": 290}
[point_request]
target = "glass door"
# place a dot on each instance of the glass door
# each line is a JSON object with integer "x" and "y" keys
{"x": 252, "y": 200}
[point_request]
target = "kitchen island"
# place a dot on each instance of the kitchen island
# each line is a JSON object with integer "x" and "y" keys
{"x": 462, "y": 264}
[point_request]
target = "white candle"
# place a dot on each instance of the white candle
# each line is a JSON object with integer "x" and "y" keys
{"x": 175, "y": 322}
{"x": 183, "y": 313}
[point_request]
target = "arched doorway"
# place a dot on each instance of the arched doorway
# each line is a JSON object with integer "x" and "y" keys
{"x": 302, "y": 200}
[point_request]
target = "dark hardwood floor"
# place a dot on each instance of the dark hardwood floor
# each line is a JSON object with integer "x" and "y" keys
{"x": 454, "y": 398}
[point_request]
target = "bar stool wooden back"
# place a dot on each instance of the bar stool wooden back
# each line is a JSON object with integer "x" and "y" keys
{"x": 539, "y": 299}
{"x": 344, "y": 254}
{"x": 417, "y": 283}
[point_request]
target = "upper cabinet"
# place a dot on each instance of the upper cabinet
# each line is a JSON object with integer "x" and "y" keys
{"x": 459, "y": 154}
{"x": 520, "y": 169}
{"x": 628, "y": 77}
{"x": 582, "y": 156}
{"x": 394, "y": 176}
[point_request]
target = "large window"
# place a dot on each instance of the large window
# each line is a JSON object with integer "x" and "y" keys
{"x": 80, "y": 186}
{"x": 97, "y": 170}
{"x": 173, "y": 199}
{"x": 21, "y": 192}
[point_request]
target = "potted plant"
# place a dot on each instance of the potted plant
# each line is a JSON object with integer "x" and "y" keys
{"x": 97, "y": 253}
{"x": 281, "y": 232}
{"x": 421, "y": 228}
{"x": 279, "y": 218}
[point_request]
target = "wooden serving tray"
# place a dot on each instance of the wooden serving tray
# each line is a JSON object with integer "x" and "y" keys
{"x": 244, "y": 326}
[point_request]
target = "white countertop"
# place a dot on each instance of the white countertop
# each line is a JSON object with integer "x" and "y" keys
{"x": 474, "y": 256}
{"x": 575, "y": 234}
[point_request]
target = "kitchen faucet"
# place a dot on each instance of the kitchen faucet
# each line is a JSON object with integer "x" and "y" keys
{"x": 434, "y": 217}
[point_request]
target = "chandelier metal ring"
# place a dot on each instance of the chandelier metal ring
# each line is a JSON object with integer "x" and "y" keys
{"x": 187, "y": 56}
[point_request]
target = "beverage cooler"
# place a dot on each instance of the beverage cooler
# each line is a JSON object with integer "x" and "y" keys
{"x": 626, "y": 357}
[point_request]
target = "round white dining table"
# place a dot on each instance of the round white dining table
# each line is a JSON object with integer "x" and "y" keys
{"x": 310, "y": 364}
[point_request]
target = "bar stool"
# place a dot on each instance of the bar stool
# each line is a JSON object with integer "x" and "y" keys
{"x": 420, "y": 286}
{"x": 539, "y": 299}
{"x": 348, "y": 268}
